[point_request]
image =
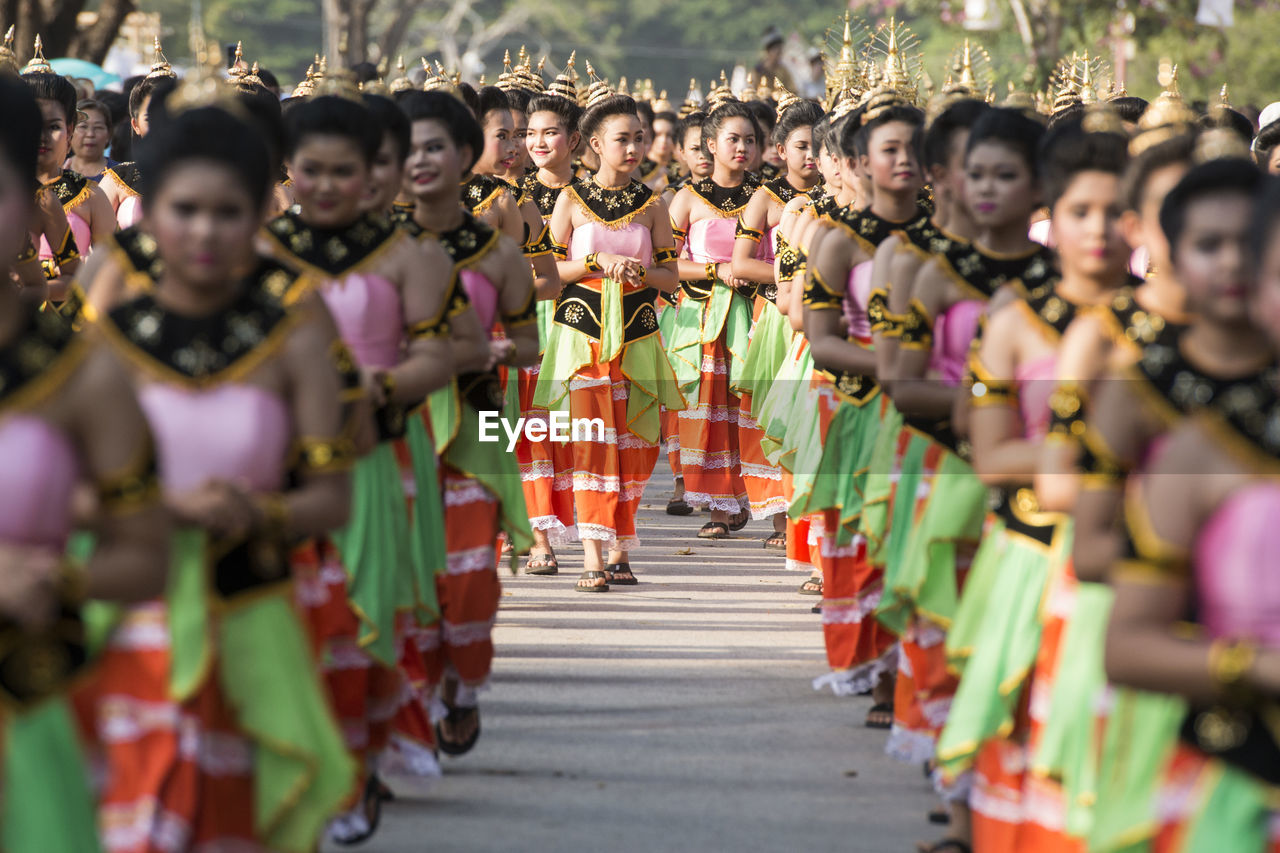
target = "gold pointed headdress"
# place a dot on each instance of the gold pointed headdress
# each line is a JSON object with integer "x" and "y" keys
{"x": 721, "y": 94}
{"x": 529, "y": 79}
{"x": 662, "y": 104}
{"x": 307, "y": 85}
{"x": 339, "y": 84}
{"x": 598, "y": 90}
{"x": 8, "y": 59}
{"x": 38, "y": 64}
{"x": 160, "y": 66}
{"x": 436, "y": 80}
{"x": 564, "y": 84}
{"x": 692, "y": 100}
{"x": 238, "y": 66}
{"x": 786, "y": 98}
{"x": 1166, "y": 117}
{"x": 401, "y": 82}
{"x": 506, "y": 80}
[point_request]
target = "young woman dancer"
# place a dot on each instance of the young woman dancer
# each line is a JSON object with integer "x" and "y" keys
{"x": 87, "y": 209}
{"x": 1191, "y": 611}
{"x": 480, "y": 482}
{"x": 997, "y": 644}
{"x": 838, "y": 328}
{"x": 614, "y": 237}
{"x": 236, "y": 386}
{"x": 753, "y": 253}
{"x": 68, "y": 416}
{"x": 546, "y": 468}
{"x": 709, "y": 342}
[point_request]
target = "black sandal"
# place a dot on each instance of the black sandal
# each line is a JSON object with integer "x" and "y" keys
{"x": 628, "y": 578}
{"x": 812, "y": 586}
{"x": 678, "y": 506}
{"x": 542, "y": 564}
{"x": 590, "y": 576}
{"x": 777, "y": 541}
{"x": 940, "y": 817}
{"x": 745, "y": 518}
{"x": 946, "y": 845}
{"x": 714, "y": 530}
{"x": 880, "y": 708}
{"x": 455, "y": 717}
{"x": 373, "y": 798}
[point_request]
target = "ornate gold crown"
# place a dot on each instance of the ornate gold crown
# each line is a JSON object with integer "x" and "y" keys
{"x": 661, "y": 104}
{"x": 564, "y": 84}
{"x": 598, "y": 90}
{"x": 532, "y": 80}
{"x": 339, "y": 84}
{"x": 38, "y": 64}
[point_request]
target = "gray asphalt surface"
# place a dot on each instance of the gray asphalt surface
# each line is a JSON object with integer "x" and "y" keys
{"x": 676, "y": 715}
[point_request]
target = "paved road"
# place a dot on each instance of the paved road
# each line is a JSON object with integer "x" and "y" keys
{"x": 671, "y": 716}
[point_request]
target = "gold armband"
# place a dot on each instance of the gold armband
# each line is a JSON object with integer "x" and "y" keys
{"x": 986, "y": 389}
{"x": 561, "y": 253}
{"x": 324, "y": 455}
{"x": 749, "y": 233}
{"x": 710, "y": 270}
{"x": 916, "y": 328}
{"x": 429, "y": 329}
{"x": 1229, "y": 662}
{"x": 664, "y": 255}
{"x": 679, "y": 233}
{"x": 134, "y": 488}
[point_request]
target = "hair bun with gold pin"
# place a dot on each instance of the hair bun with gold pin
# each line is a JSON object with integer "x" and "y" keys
{"x": 720, "y": 95}
{"x": 8, "y": 59}
{"x": 598, "y": 90}
{"x": 564, "y": 85}
{"x": 160, "y": 66}
{"x": 38, "y": 64}
{"x": 1166, "y": 117}
{"x": 785, "y": 98}
{"x": 1220, "y": 143}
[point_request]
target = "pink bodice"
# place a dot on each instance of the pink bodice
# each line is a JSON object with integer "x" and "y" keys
{"x": 857, "y": 295}
{"x": 953, "y": 333}
{"x": 1237, "y": 587}
{"x": 711, "y": 240}
{"x": 633, "y": 240}
{"x": 229, "y": 432}
{"x": 38, "y": 472}
{"x": 768, "y": 246}
{"x": 369, "y": 315}
{"x": 80, "y": 231}
{"x": 129, "y": 212}
{"x": 1035, "y": 385}
{"x": 483, "y": 295}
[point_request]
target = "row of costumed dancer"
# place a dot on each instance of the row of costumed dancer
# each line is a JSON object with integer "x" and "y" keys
{"x": 1001, "y": 378}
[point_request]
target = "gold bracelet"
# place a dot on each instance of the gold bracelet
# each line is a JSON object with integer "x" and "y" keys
{"x": 592, "y": 262}
{"x": 1229, "y": 663}
{"x": 388, "y": 383}
{"x": 274, "y": 510}
{"x": 711, "y": 272}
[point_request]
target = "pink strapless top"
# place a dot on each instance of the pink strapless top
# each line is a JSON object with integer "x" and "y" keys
{"x": 129, "y": 212}
{"x": 230, "y": 432}
{"x": 1237, "y": 587}
{"x": 857, "y": 295}
{"x": 483, "y": 295}
{"x": 79, "y": 230}
{"x": 38, "y": 473}
{"x": 369, "y": 316}
{"x": 711, "y": 240}
{"x": 953, "y": 333}
{"x": 633, "y": 240}
{"x": 1035, "y": 385}
{"x": 768, "y": 246}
